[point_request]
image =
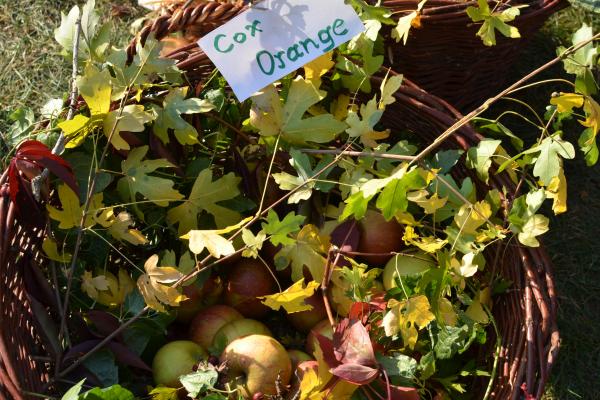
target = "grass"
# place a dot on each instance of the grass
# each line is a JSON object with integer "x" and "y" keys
{"x": 32, "y": 72}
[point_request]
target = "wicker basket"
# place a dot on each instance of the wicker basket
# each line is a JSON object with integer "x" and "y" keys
{"x": 526, "y": 316}
{"x": 445, "y": 57}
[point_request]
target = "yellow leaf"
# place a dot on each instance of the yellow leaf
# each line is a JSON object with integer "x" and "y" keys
{"x": 307, "y": 250}
{"x": 131, "y": 119}
{"x": 71, "y": 213}
{"x": 429, "y": 205}
{"x": 51, "y": 249}
{"x": 592, "y": 112}
{"x": 314, "y": 70}
{"x": 363, "y": 127}
{"x": 339, "y": 107}
{"x": 120, "y": 229}
{"x": 557, "y": 190}
{"x": 565, "y": 102}
{"x": 428, "y": 244}
{"x": 216, "y": 244}
{"x": 406, "y": 316}
{"x": 91, "y": 285}
{"x": 468, "y": 218}
{"x": 292, "y": 299}
{"x": 95, "y": 89}
{"x": 153, "y": 285}
{"x": 117, "y": 290}
{"x": 406, "y": 218}
{"x": 476, "y": 311}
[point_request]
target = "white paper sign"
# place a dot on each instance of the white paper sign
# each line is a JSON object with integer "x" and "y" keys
{"x": 276, "y": 37}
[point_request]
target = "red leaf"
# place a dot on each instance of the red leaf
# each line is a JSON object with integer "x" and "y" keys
{"x": 352, "y": 344}
{"x": 326, "y": 346}
{"x": 104, "y": 322}
{"x": 403, "y": 393}
{"x": 355, "y": 373}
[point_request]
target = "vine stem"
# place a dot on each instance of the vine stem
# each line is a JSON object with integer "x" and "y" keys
{"x": 479, "y": 110}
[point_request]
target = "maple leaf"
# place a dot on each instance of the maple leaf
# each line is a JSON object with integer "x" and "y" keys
{"x": 565, "y": 102}
{"x": 169, "y": 116}
{"x": 557, "y": 190}
{"x": 131, "y": 119}
{"x": 91, "y": 285}
{"x": 314, "y": 70}
{"x": 154, "y": 285}
{"x": 430, "y": 205}
{"x": 493, "y": 21}
{"x": 307, "y": 250}
{"x": 428, "y": 244}
{"x": 548, "y": 163}
{"x": 253, "y": 243}
{"x": 389, "y": 86}
{"x": 469, "y": 218}
{"x": 158, "y": 190}
{"x": 480, "y": 157}
{"x": 211, "y": 240}
{"x": 400, "y": 32}
{"x": 363, "y": 127}
{"x": 406, "y": 317}
{"x": 356, "y": 73}
{"x": 273, "y": 118}
{"x": 120, "y": 228}
{"x": 51, "y": 249}
{"x": 205, "y": 196}
{"x": 292, "y": 299}
{"x": 279, "y": 231}
{"x": 71, "y": 213}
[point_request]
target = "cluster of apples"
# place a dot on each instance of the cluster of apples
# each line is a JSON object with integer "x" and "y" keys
{"x": 255, "y": 363}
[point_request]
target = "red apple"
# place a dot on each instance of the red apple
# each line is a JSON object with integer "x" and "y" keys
{"x": 175, "y": 359}
{"x": 254, "y": 365}
{"x": 305, "y": 320}
{"x": 323, "y": 328}
{"x": 207, "y": 323}
{"x": 237, "y": 329}
{"x": 378, "y": 236}
{"x": 199, "y": 297}
{"x": 247, "y": 280}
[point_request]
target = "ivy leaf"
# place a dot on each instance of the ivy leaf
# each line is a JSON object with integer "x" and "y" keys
{"x": 363, "y": 127}
{"x": 272, "y": 118}
{"x": 205, "y": 196}
{"x": 548, "y": 163}
{"x": 211, "y": 240}
{"x": 154, "y": 285}
{"x": 137, "y": 179}
{"x": 279, "y": 231}
{"x": 169, "y": 116}
{"x": 131, "y": 119}
{"x": 253, "y": 243}
{"x": 292, "y": 299}
{"x": 307, "y": 250}
{"x": 479, "y": 158}
{"x": 51, "y": 249}
{"x": 203, "y": 379}
{"x": 406, "y": 317}
{"x": 493, "y": 21}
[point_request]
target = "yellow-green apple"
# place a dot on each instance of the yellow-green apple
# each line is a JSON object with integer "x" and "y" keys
{"x": 305, "y": 320}
{"x": 239, "y": 328}
{"x": 255, "y": 364}
{"x": 379, "y": 237}
{"x": 406, "y": 265}
{"x": 297, "y": 357}
{"x": 207, "y": 323}
{"x": 175, "y": 359}
{"x": 247, "y": 280}
{"x": 322, "y": 328}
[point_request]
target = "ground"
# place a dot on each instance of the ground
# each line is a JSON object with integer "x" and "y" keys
{"x": 31, "y": 73}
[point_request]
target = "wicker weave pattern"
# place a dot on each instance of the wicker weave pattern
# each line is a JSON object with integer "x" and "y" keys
{"x": 445, "y": 57}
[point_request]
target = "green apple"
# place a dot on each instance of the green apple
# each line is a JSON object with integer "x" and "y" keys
{"x": 207, "y": 323}
{"x": 175, "y": 359}
{"x": 237, "y": 329}
{"x": 254, "y": 365}
{"x": 406, "y": 265}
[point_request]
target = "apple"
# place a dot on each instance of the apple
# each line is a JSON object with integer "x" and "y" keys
{"x": 237, "y": 329}
{"x": 247, "y": 280}
{"x": 406, "y": 265}
{"x": 207, "y": 323}
{"x": 378, "y": 236}
{"x": 255, "y": 363}
{"x": 305, "y": 320}
{"x": 175, "y": 359}
{"x": 297, "y": 357}
{"x": 198, "y": 297}
{"x": 323, "y": 328}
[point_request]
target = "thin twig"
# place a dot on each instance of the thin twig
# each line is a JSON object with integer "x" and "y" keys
{"x": 479, "y": 110}
{"x": 359, "y": 154}
{"x": 237, "y": 130}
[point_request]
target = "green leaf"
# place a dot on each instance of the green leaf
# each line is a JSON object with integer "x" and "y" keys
{"x": 357, "y": 73}
{"x": 65, "y": 33}
{"x": 389, "y": 86}
{"x": 494, "y": 21}
{"x": 480, "y": 157}
{"x": 164, "y": 393}
{"x": 279, "y": 231}
{"x": 452, "y": 340}
{"x": 363, "y": 127}
{"x": 393, "y": 197}
{"x": 549, "y": 162}
{"x": 169, "y": 116}
{"x": 137, "y": 179}
{"x": 253, "y": 243}
{"x": 205, "y": 196}
{"x": 356, "y": 205}
{"x": 73, "y": 392}
{"x": 535, "y": 226}
{"x": 398, "y": 364}
{"x": 102, "y": 365}
{"x": 583, "y": 59}
{"x": 131, "y": 119}
{"x": 272, "y": 118}
{"x": 199, "y": 381}
{"x": 587, "y": 143}
{"x": 496, "y": 129}
{"x": 115, "y": 392}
